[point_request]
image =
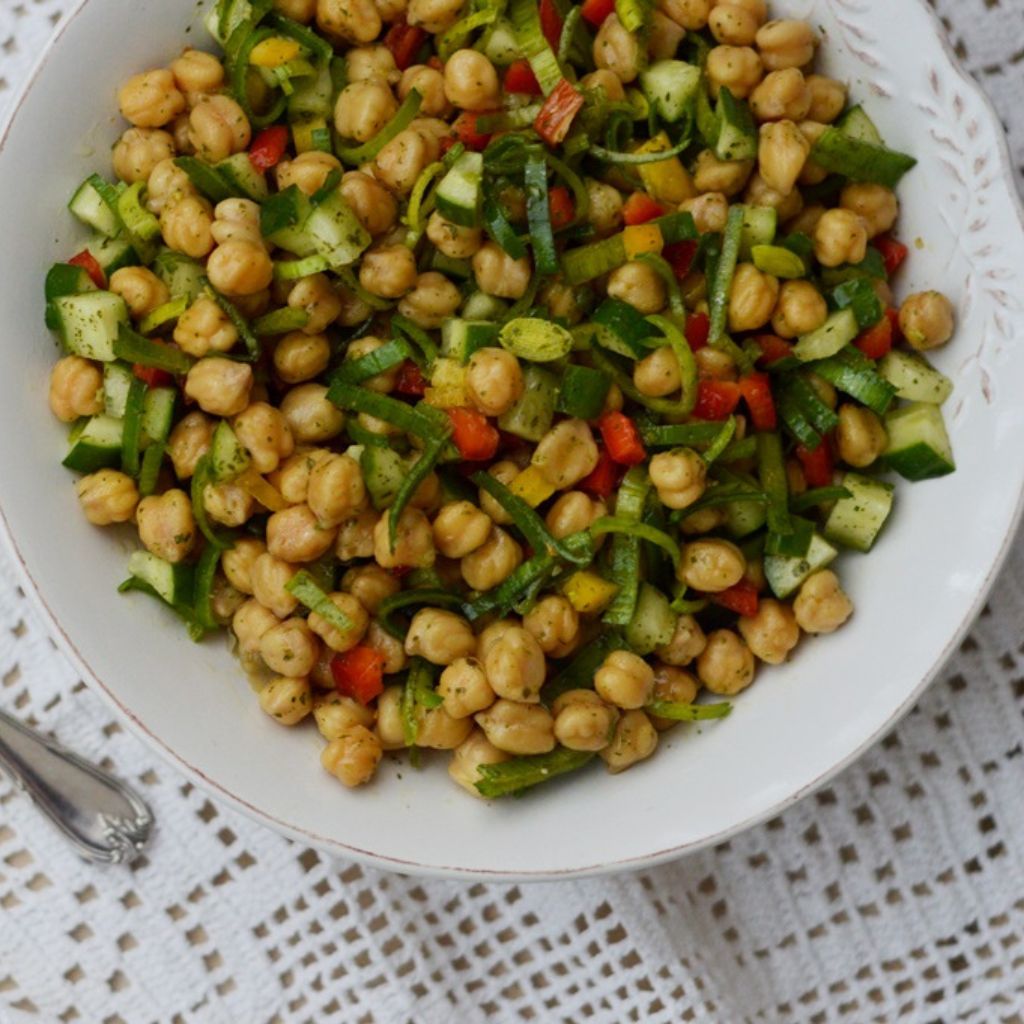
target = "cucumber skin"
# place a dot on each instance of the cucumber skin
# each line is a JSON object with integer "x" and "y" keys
{"x": 785, "y": 575}
{"x": 919, "y": 447}
{"x": 856, "y": 522}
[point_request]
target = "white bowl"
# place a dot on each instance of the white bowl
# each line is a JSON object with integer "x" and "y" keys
{"x": 915, "y": 594}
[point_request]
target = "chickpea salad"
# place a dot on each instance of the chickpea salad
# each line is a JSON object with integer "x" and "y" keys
{"x": 505, "y": 377}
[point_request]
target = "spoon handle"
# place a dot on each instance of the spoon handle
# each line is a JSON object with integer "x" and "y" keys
{"x": 103, "y": 818}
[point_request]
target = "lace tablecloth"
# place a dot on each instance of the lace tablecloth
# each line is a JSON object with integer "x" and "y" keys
{"x": 896, "y": 893}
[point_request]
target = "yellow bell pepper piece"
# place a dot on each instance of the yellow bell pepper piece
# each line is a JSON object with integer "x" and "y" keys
{"x": 274, "y": 52}
{"x": 588, "y": 592}
{"x": 668, "y": 181}
{"x": 265, "y": 493}
{"x": 532, "y": 486}
{"x": 447, "y": 384}
{"x": 642, "y": 238}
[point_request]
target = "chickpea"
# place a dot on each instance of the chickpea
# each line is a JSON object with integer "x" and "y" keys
{"x": 693, "y": 15}
{"x": 372, "y": 204}
{"x": 434, "y": 15}
{"x": 638, "y": 284}
{"x": 572, "y": 512}
{"x": 476, "y": 750}
{"x": 150, "y": 99}
{"x": 311, "y": 417}
{"x": 370, "y": 63}
{"x": 218, "y": 127}
{"x": 927, "y": 320}
{"x": 679, "y": 477}
{"x": 196, "y": 72}
{"x": 76, "y": 389}
{"x": 334, "y": 714}
{"x": 357, "y": 21}
{"x": 493, "y": 562}
{"x": 499, "y": 274}
{"x": 625, "y": 680}
{"x": 634, "y": 740}
{"x": 617, "y": 50}
{"x": 711, "y": 565}
{"x": 518, "y": 728}
{"x": 663, "y": 37}
{"x": 437, "y": 730}
{"x": 429, "y": 83}
{"x": 759, "y": 193}
{"x": 237, "y": 220}
{"x": 389, "y": 271}
{"x": 228, "y": 504}
{"x": 494, "y": 380}
{"x": 289, "y": 648}
{"x": 295, "y": 535}
{"x": 299, "y": 356}
{"x": 583, "y": 721}
{"x": 352, "y": 757}
{"x": 302, "y": 11}
{"x": 840, "y": 237}
{"x": 806, "y": 222}
{"x": 460, "y": 528}
{"x": 687, "y": 642}
{"x": 828, "y": 98}
{"x": 167, "y": 183}
{"x": 566, "y": 453}
{"x": 363, "y": 108}
{"x": 107, "y": 496}
{"x": 265, "y": 434}
{"x": 471, "y": 82}
{"x": 608, "y": 82}
{"x": 726, "y": 665}
{"x": 239, "y": 267}
{"x": 287, "y": 699}
{"x": 414, "y": 541}
{"x": 308, "y": 171}
{"x": 782, "y": 154}
{"x": 139, "y": 150}
{"x": 140, "y": 288}
{"x": 860, "y": 434}
{"x": 355, "y": 536}
{"x": 347, "y": 638}
{"x": 561, "y": 301}
{"x": 772, "y": 633}
{"x": 432, "y": 300}
{"x": 166, "y": 526}
{"x": 453, "y": 240}
{"x": 709, "y": 211}
{"x": 514, "y": 665}
{"x": 318, "y": 299}
{"x": 604, "y": 211}
{"x": 714, "y": 364}
{"x": 220, "y": 386}
{"x": 738, "y": 68}
{"x": 237, "y": 563}
{"x": 658, "y": 375}
{"x": 189, "y": 442}
{"x": 801, "y": 308}
{"x": 401, "y": 161}
{"x": 505, "y": 472}
{"x": 758, "y": 8}
{"x": 786, "y": 44}
{"x": 186, "y": 223}
{"x": 440, "y": 636}
{"x": 674, "y": 686}
{"x": 554, "y": 624}
{"x": 336, "y": 490}
{"x": 249, "y": 623}
{"x": 733, "y": 25}
{"x": 464, "y": 687}
{"x": 876, "y": 205}
{"x": 724, "y": 176}
{"x": 203, "y": 328}
{"x": 704, "y": 520}
{"x": 821, "y": 606}
{"x": 782, "y": 95}
{"x": 390, "y": 731}
{"x": 269, "y": 577}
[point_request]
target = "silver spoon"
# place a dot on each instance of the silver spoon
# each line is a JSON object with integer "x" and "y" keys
{"x": 103, "y": 818}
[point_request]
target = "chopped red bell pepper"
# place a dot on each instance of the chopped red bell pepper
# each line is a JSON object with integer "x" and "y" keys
{"x": 817, "y": 464}
{"x": 88, "y": 263}
{"x": 561, "y": 207}
{"x": 773, "y": 349}
{"x": 404, "y": 41}
{"x": 741, "y": 598}
{"x": 876, "y": 341}
{"x": 680, "y": 257}
{"x": 893, "y": 316}
{"x": 621, "y": 439}
{"x": 466, "y": 131}
{"x": 716, "y": 399}
{"x": 359, "y": 673}
{"x": 601, "y": 481}
{"x": 269, "y": 147}
{"x": 893, "y": 253}
{"x": 553, "y": 122}
{"x": 756, "y": 389}
{"x": 698, "y": 330}
{"x": 550, "y": 23}
{"x": 152, "y": 377}
{"x": 476, "y": 438}
{"x": 641, "y": 208}
{"x": 519, "y": 77}
{"x": 410, "y": 380}
{"x": 595, "y": 11}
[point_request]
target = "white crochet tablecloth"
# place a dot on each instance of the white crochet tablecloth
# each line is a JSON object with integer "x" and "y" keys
{"x": 894, "y": 894}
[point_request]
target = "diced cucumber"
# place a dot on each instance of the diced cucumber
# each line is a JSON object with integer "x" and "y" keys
{"x": 785, "y": 575}
{"x": 96, "y": 446}
{"x": 778, "y": 261}
{"x": 172, "y": 583}
{"x": 312, "y": 97}
{"x": 64, "y": 279}
{"x": 384, "y": 470}
{"x": 243, "y": 179}
{"x": 117, "y": 379}
{"x": 329, "y": 229}
{"x": 500, "y": 44}
{"x": 94, "y": 203}
{"x": 653, "y": 621}
{"x": 88, "y": 324}
{"x": 461, "y": 270}
{"x": 743, "y": 518}
{"x": 181, "y": 274}
{"x": 530, "y": 417}
{"x": 206, "y": 178}
{"x": 856, "y": 123}
{"x": 737, "y": 135}
{"x": 112, "y": 253}
{"x": 583, "y": 392}
{"x": 157, "y": 414}
{"x": 671, "y": 86}
{"x": 623, "y": 328}
{"x": 140, "y": 225}
{"x": 227, "y": 456}
{"x": 856, "y": 521}
{"x": 859, "y": 295}
{"x": 481, "y": 306}
{"x": 461, "y": 338}
{"x": 760, "y": 224}
{"x": 914, "y": 378}
{"x": 163, "y": 315}
{"x": 458, "y": 195}
{"x": 838, "y": 331}
{"x": 919, "y": 447}
{"x": 860, "y": 161}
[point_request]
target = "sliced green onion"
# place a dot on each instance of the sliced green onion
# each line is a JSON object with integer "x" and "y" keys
{"x": 501, "y": 599}
{"x": 134, "y": 348}
{"x": 417, "y": 202}
{"x": 404, "y": 598}
{"x": 722, "y": 284}
{"x": 455, "y": 38}
{"x": 536, "y": 340}
{"x": 817, "y": 496}
{"x": 579, "y": 673}
{"x": 661, "y": 267}
{"x": 642, "y": 531}
{"x": 508, "y": 778}
{"x": 624, "y": 567}
{"x": 685, "y": 435}
{"x": 688, "y": 712}
{"x": 772, "y": 473}
{"x": 206, "y": 572}
{"x": 500, "y": 228}
{"x": 538, "y": 214}
{"x": 202, "y": 476}
{"x": 163, "y": 314}
{"x": 351, "y": 284}
{"x": 239, "y": 80}
{"x": 132, "y": 430}
{"x": 280, "y": 321}
{"x": 309, "y": 40}
{"x": 152, "y": 460}
{"x": 525, "y": 18}
{"x": 292, "y": 270}
{"x": 252, "y": 343}
{"x": 421, "y": 469}
{"x": 418, "y": 337}
{"x": 420, "y": 682}
{"x": 308, "y": 593}
{"x": 739, "y": 450}
{"x": 723, "y": 494}
{"x": 380, "y": 360}
{"x": 611, "y": 157}
{"x": 407, "y": 419}
{"x": 721, "y": 442}
{"x": 401, "y": 120}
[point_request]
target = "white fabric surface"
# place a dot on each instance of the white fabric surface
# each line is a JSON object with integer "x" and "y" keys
{"x": 896, "y": 893}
